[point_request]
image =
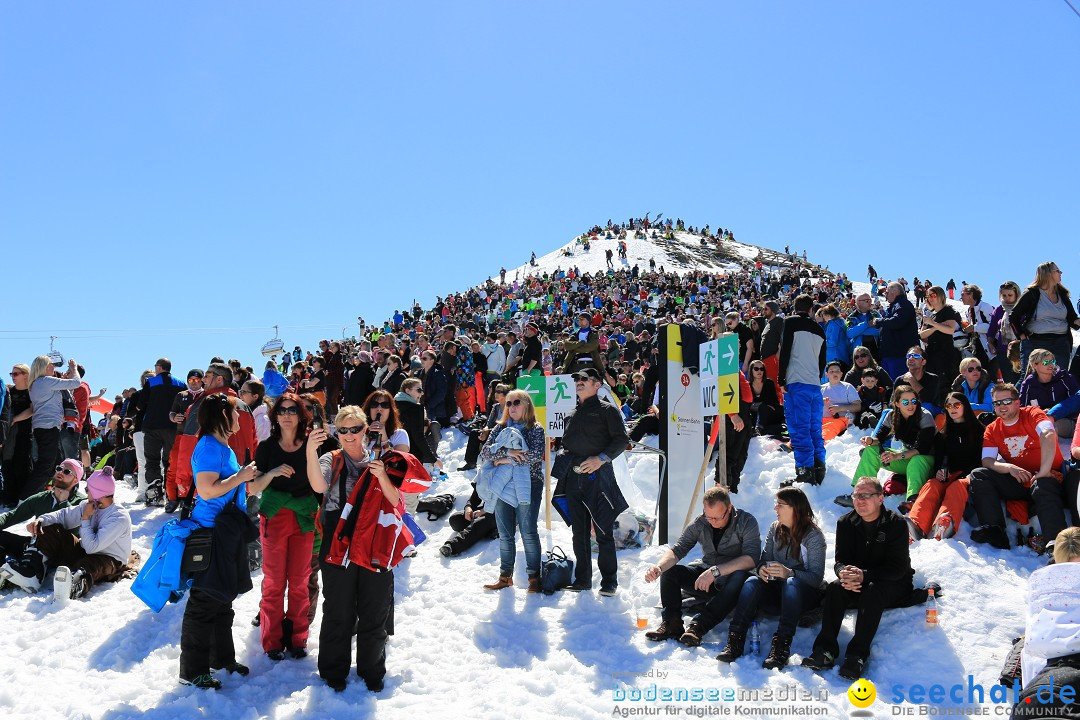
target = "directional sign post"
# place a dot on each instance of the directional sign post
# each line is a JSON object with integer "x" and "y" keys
{"x": 728, "y": 373}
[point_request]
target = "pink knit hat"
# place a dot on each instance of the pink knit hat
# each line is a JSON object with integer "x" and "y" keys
{"x": 75, "y": 467}
{"x": 100, "y": 483}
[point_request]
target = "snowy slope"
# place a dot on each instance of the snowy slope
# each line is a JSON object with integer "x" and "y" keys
{"x": 684, "y": 253}
{"x": 469, "y": 653}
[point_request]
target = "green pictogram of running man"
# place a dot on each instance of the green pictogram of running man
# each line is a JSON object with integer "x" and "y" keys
{"x": 560, "y": 390}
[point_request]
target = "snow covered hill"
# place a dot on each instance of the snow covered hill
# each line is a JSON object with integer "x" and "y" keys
{"x": 461, "y": 652}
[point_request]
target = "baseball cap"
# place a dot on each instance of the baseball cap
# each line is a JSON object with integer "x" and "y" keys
{"x": 587, "y": 374}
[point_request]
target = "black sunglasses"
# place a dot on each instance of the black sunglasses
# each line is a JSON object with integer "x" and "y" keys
{"x": 382, "y": 403}
{"x": 288, "y": 410}
{"x": 64, "y": 469}
{"x": 351, "y": 430}
{"x": 515, "y": 402}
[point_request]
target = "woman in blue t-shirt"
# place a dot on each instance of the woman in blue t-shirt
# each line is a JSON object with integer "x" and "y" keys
{"x": 206, "y": 636}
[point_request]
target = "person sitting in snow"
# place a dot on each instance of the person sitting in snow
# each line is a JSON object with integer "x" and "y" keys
{"x": 63, "y": 493}
{"x": 99, "y": 552}
{"x": 730, "y": 540}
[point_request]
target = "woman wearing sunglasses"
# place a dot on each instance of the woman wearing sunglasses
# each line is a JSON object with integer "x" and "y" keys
{"x": 384, "y": 427}
{"x": 1044, "y": 316}
{"x": 1045, "y": 384}
{"x": 939, "y": 326}
{"x": 517, "y": 507}
{"x": 939, "y": 508}
{"x": 861, "y": 359}
{"x": 766, "y": 410}
{"x": 286, "y": 529}
{"x": 975, "y": 384}
{"x": 18, "y": 460}
{"x": 903, "y": 443}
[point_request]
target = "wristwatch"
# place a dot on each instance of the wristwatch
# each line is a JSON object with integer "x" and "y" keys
{"x": 715, "y": 572}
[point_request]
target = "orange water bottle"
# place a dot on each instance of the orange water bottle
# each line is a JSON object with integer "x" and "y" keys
{"x": 931, "y": 609}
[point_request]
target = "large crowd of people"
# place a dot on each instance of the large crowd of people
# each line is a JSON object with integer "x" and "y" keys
{"x": 965, "y": 407}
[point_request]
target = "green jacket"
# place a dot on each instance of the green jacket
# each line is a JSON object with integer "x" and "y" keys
{"x": 305, "y": 507}
{"x": 37, "y": 505}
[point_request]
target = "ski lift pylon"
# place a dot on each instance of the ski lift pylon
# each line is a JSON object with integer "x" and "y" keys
{"x": 274, "y": 346}
{"x": 55, "y": 355}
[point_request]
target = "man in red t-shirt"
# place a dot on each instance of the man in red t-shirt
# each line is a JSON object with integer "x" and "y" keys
{"x": 1029, "y": 469}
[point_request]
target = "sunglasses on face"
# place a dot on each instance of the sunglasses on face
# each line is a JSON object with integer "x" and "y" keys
{"x": 757, "y": 369}
{"x": 865, "y": 496}
{"x": 350, "y": 430}
{"x": 1051, "y": 361}
{"x": 1004, "y": 403}
{"x": 17, "y": 372}
{"x": 914, "y": 356}
{"x": 862, "y": 356}
{"x": 975, "y": 368}
{"x": 953, "y": 406}
{"x": 514, "y": 403}
{"x": 288, "y": 410}
{"x": 381, "y": 404}
{"x": 65, "y": 470}
{"x": 906, "y": 402}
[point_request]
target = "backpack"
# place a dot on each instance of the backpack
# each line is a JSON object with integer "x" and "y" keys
{"x": 71, "y": 410}
{"x": 556, "y": 572}
{"x": 436, "y": 506}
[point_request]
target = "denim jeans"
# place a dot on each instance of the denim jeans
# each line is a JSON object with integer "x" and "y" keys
{"x": 1061, "y": 347}
{"x": 509, "y": 519}
{"x": 789, "y": 597}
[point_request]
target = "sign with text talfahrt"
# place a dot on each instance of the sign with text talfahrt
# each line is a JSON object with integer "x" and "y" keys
{"x": 560, "y": 401}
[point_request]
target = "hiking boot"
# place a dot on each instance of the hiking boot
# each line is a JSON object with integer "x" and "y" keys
{"x": 779, "y": 653}
{"x": 275, "y": 655}
{"x": 445, "y": 550}
{"x": 734, "y": 648}
{"x": 805, "y": 475}
{"x": 665, "y": 631}
{"x": 336, "y": 684}
{"x": 205, "y": 682}
{"x": 844, "y": 501}
{"x": 504, "y": 581}
{"x": 534, "y": 585}
{"x": 945, "y": 527}
{"x": 992, "y": 535}
{"x": 819, "y": 471}
{"x": 692, "y": 636}
{"x": 607, "y": 590}
{"x": 819, "y": 660}
{"x": 467, "y": 466}
{"x": 171, "y": 506}
{"x": 915, "y": 533}
{"x": 80, "y": 584}
{"x": 853, "y": 667}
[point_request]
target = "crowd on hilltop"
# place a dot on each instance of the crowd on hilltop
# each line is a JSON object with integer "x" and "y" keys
{"x": 965, "y": 407}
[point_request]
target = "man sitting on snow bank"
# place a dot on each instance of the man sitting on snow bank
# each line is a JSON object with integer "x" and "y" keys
{"x": 99, "y": 552}
{"x": 63, "y": 493}
{"x": 731, "y": 543}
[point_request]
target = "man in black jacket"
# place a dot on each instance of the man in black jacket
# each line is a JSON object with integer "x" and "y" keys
{"x": 873, "y": 570}
{"x": 159, "y": 431}
{"x": 594, "y": 434}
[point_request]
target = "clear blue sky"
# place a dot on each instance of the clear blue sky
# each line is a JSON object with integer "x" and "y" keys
{"x": 236, "y": 165}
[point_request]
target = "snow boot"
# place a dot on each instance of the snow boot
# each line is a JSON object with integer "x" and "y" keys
{"x": 28, "y": 571}
{"x": 803, "y": 474}
{"x": 734, "y": 648}
{"x": 915, "y": 533}
{"x": 62, "y": 585}
{"x": 819, "y": 471}
{"x": 692, "y": 636}
{"x": 80, "y": 584}
{"x": 779, "y": 653}
{"x": 992, "y": 535}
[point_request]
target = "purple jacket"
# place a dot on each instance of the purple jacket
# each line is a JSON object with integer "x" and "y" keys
{"x": 1047, "y": 395}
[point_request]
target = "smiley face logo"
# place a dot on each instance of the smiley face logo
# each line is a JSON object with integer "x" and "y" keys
{"x": 862, "y": 693}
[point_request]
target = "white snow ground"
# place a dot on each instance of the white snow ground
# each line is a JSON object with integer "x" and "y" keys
{"x": 462, "y": 652}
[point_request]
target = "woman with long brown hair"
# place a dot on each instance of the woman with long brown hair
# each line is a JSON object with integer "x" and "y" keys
{"x": 790, "y": 578}
{"x": 287, "y": 512}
